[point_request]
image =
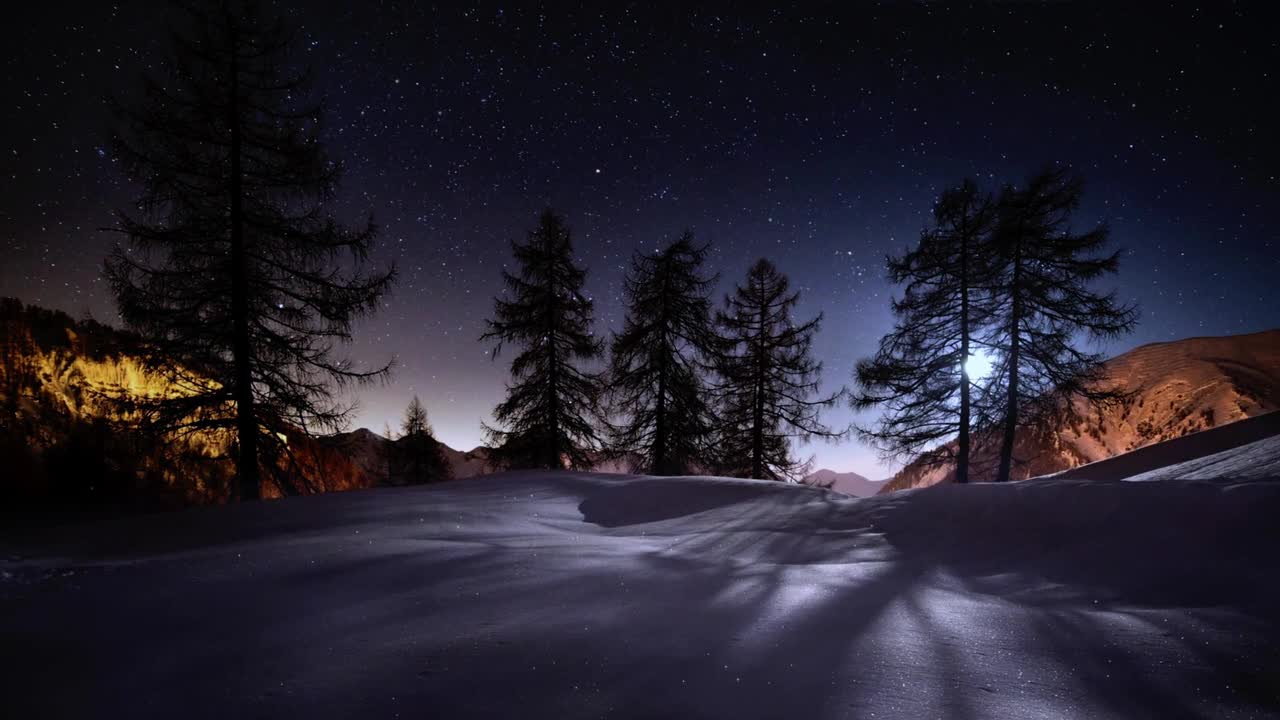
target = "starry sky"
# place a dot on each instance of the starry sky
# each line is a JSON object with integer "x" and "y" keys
{"x": 815, "y": 136}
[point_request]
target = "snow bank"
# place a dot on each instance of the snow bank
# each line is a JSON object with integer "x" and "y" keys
{"x": 1219, "y": 447}
{"x": 576, "y": 595}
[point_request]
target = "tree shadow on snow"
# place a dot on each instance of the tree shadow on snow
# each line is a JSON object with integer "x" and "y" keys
{"x": 659, "y": 604}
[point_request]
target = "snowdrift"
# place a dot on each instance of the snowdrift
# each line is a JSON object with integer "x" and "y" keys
{"x": 568, "y": 595}
{"x": 1216, "y": 448}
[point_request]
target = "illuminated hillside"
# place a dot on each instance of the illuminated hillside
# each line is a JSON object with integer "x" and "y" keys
{"x": 1177, "y": 388}
{"x": 69, "y": 430}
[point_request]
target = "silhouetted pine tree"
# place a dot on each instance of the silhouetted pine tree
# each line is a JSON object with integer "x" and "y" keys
{"x": 420, "y": 457}
{"x": 1045, "y": 301}
{"x": 658, "y": 361}
{"x": 233, "y": 271}
{"x": 768, "y": 377}
{"x": 918, "y": 374}
{"x": 552, "y": 402}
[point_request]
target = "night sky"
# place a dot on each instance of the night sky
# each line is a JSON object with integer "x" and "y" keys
{"x": 816, "y": 138}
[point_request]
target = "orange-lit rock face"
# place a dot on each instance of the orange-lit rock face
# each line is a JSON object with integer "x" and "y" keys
{"x": 60, "y": 379}
{"x": 322, "y": 468}
{"x": 1178, "y": 388}
{"x": 62, "y": 422}
{"x": 64, "y": 384}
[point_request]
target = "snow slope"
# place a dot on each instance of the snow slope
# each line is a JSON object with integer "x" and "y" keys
{"x": 1171, "y": 458}
{"x": 566, "y": 595}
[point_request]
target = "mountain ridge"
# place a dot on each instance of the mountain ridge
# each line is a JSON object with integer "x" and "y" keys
{"x": 849, "y": 483}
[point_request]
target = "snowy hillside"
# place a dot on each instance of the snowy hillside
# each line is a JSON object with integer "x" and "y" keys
{"x": 1178, "y": 388}
{"x": 565, "y": 595}
{"x": 1175, "y": 458}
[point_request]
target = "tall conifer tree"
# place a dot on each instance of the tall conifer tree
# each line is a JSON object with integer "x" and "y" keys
{"x": 233, "y": 270}
{"x": 919, "y": 375}
{"x": 548, "y": 417}
{"x": 658, "y": 362}
{"x": 769, "y": 379}
{"x": 1046, "y": 302}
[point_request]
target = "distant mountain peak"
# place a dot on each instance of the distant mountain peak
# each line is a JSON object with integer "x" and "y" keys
{"x": 849, "y": 483}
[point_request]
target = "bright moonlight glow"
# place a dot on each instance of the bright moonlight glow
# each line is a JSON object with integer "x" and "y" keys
{"x": 978, "y": 365}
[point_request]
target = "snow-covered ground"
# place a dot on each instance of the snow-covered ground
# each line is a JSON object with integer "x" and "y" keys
{"x": 1257, "y": 460}
{"x": 566, "y": 595}
{"x": 1242, "y": 450}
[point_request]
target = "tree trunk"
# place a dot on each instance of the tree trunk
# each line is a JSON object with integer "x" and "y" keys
{"x": 1015, "y": 337}
{"x": 962, "y": 456}
{"x": 757, "y": 419}
{"x": 553, "y": 459}
{"x": 248, "y": 473}
{"x": 661, "y": 463}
